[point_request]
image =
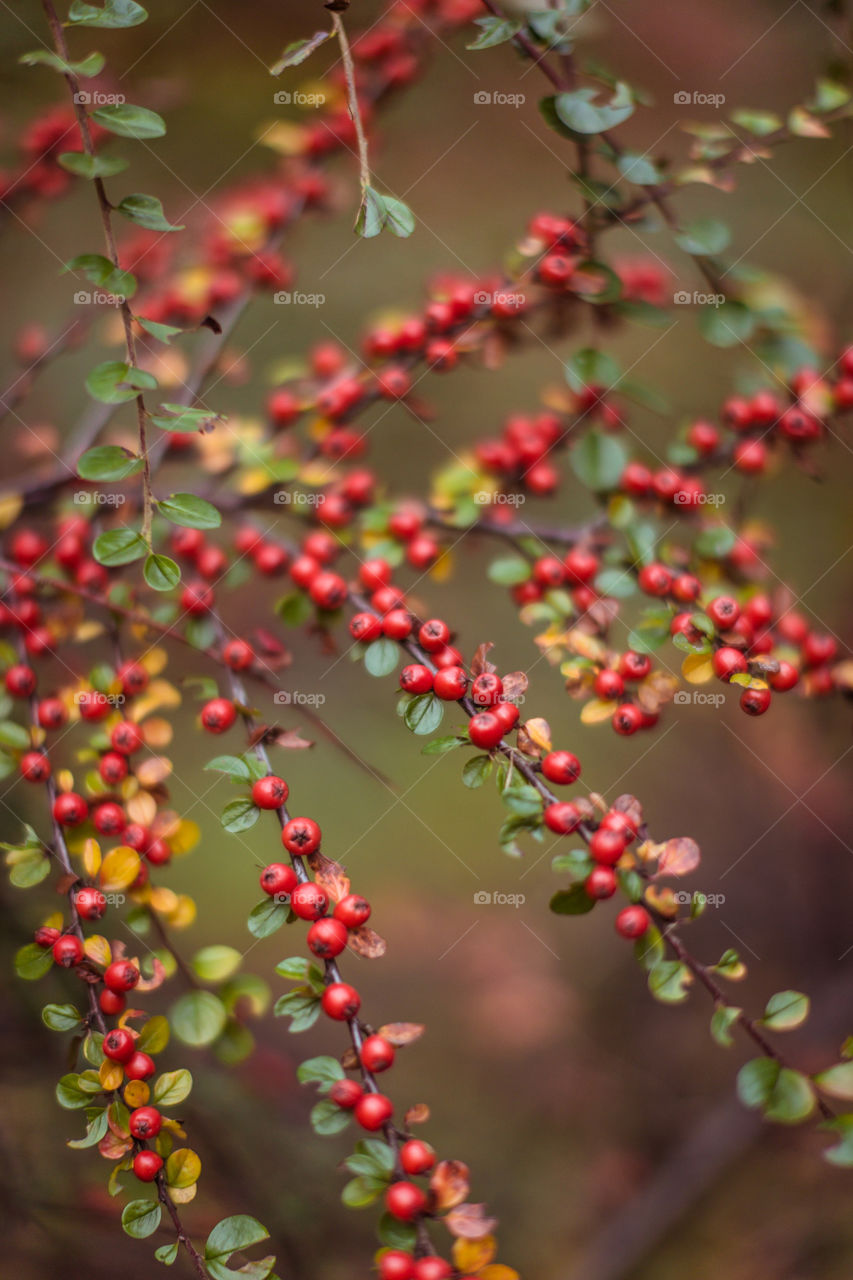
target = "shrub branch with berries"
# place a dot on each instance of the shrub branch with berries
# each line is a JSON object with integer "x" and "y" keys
{"x": 655, "y": 592}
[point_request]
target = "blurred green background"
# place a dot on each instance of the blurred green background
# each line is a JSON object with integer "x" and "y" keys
{"x": 599, "y": 1126}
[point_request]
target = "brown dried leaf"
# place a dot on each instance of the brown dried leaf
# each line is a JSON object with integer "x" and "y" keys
{"x": 329, "y": 875}
{"x": 515, "y": 685}
{"x": 418, "y": 1114}
{"x": 449, "y": 1183}
{"x": 658, "y": 688}
{"x": 366, "y": 942}
{"x": 400, "y": 1033}
{"x": 290, "y": 739}
{"x": 349, "y": 1060}
{"x": 470, "y": 1222}
{"x": 534, "y": 737}
{"x": 480, "y": 662}
{"x": 679, "y": 857}
{"x": 156, "y": 980}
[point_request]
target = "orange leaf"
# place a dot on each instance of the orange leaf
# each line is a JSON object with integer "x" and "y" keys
{"x": 680, "y": 857}
{"x": 329, "y": 875}
{"x": 449, "y": 1183}
{"x": 473, "y": 1255}
{"x": 400, "y": 1033}
{"x": 418, "y": 1114}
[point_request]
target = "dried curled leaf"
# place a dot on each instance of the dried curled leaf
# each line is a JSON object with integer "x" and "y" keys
{"x": 449, "y": 1183}
{"x": 534, "y": 737}
{"x": 470, "y": 1222}
{"x": 158, "y": 977}
{"x": 679, "y": 856}
{"x": 480, "y": 661}
{"x": 418, "y": 1114}
{"x": 630, "y": 806}
{"x": 329, "y": 875}
{"x": 366, "y": 942}
{"x": 515, "y": 685}
{"x": 401, "y": 1033}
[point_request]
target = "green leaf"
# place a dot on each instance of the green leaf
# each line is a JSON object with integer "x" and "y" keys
{"x": 128, "y": 121}
{"x": 96, "y": 1128}
{"x": 232, "y": 765}
{"x": 494, "y": 31}
{"x": 439, "y": 746}
{"x": 108, "y": 462}
{"x": 141, "y": 1218}
{"x": 323, "y": 1071}
{"x": 154, "y": 1035}
{"x": 92, "y": 65}
{"x": 758, "y": 122}
{"x": 783, "y": 1095}
{"x": 572, "y": 902}
{"x": 328, "y": 1118}
{"x": 114, "y": 13}
{"x": 33, "y": 962}
{"x": 28, "y": 867}
{"x": 197, "y": 1018}
{"x": 191, "y": 512}
{"x": 786, "y": 1010}
{"x": 509, "y": 571}
{"x": 161, "y": 572}
{"x": 177, "y": 417}
{"x": 580, "y": 113}
{"x": 523, "y": 800}
{"x": 229, "y": 1235}
{"x": 115, "y": 382}
{"x": 301, "y": 1006}
{"x": 240, "y": 815}
{"x": 705, "y": 237}
{"x": 577, "y": 864}
{"x": 146, "y": 211}
{"x": 715, "y": 543}
{"x": 399, "y": 218}
{"x": 83, "y": 166}
{"x": 362, "y": 1191}
{"x": 372, "y": 1156}
{"x": 638, "y": 169}
{"x": 842, "y": 1153}
{"x": 396, "y": 1234}
{"x": 727, "y": 324}
{"x": 99, "y": 271}
{"x": 14, "y": 735}
{"x": 167, "y": 1253}
{"x": 294, "y": 967}
{"x": 371, "y": 214}
{"x": 668, "y": 981}
{"x": 589, "y": 367}
{"x": 69, "y": 1093}
{"x": 381, "y": 658}
{"x": 476, "y": 770}
{"x": 172, "y": 1087}
{"x": 162, "y": 332}
{"x": 61, "y": 1017}
{"x": 723, "y": 1019}
{"x": 598, "y": 461}
{"x": 298, "y": 51}
{"x": 216, "y": 962}
{"x": 424, "y": 713}
{"x": 294, "y": 609}
{"x": 118, "y": 546}
{"x": 829, "y": 95}
{"x": 266, "y": 918}
{"x": 837, "y": 1081}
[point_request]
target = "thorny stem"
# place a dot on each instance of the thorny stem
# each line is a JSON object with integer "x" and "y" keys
{"x": 106, "y": 208}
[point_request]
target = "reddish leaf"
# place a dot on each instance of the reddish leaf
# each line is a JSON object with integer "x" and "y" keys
{"x": 400, "y": 1033}
{"x": 330, "y": 876}
{"x": 470, "y": 1222}
{"x": 680, "y": 857}
{"x": 418, "y": 1114}
{"x": 366, "y": 942}
{"x": 515, "y": 685}
{"x": 480, "y": 662}
{"x": 449, "y": 1183}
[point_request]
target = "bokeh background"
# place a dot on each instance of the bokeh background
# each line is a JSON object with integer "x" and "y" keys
{"x": 599, "y": 1126}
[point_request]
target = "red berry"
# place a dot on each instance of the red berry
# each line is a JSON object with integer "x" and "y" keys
{"x": 119, "y": 1045}
{"x": 373, "y": 1111}
{"x": 238, "y": 655}
{"x": 486, "y": 689}
{"x": 346, "y": 1093}
{"x": 723, "y": 611}
{"x": 126, "y": 737}
{"x": 300, "y": 836}
{"x": 111, "y": 1002}
{"x": 133, "y": 677}
{"x": 374, "y": 574}
{"x": 562, "y": 817}
{"x": 309, "y": 901}
{"x": 145, "y": 1122}
{"x": 727, "y": 661}
{"x": 686, "y": 588}
{"x": 341, "y": 1001}
{"x": 632, "y": 922}
{"x": 35, "y": 766}
{"x": 270, "y": 559}
{"x": 113, "y": 768}
{"x": 600, "y": 883}
{"x": 270, "y": 792}
{"x": 139, "y": 1066}
{"x": 416, "y": 678}
{"x": 45, "y": 936}
{"x": 109, "y": 819}
{"x": 416, "y": 1156}
{"x": 146, "y": 1165}
{"x": 67, "y": 951}
{"x": 635, "y": 666}
{"x": 353, "y": 911}
{"x": 365, "y": 627}
{"x": 627, "y": 719}
{"x": 93, "y": 705}
{"x": 52, "y": 713}
{"x": 90, "y": 903}
{"x": 20, "y": 681}
{"x": 397, "y": 624}
{"x": 278, "y": 880}
{"x": 432, "y": 1269}
{"x": 327, "y": 938}
{"x": 818, "y": 648}
{"x": 158, "y": 852}
{"x": 485, "y": 730}
{"x": 197, "y": 598}
{"x": 785, "y": 678}
{"x": 434, "y": 635}
{"x": 703, "y": 436}
{"x": 218, "y": 715}
{"x": 607, "y": 846}
{"x": 609, "y": 685}
{"x": 549, "y": 572}
{"x": 70, "y": 809}
{"x": 121, "y": 976}
{"x": 655, "y": 579}
{"x": 755, "y": 701}
{"x": 377, "y": 1053}
{"x": 328, "y": 590}
{"x": 561, "y": 767}
{"x": 508, "y": 715}
{"x": 450, "y": 684}
{"x": 396, "y": 1265}
{"x": 405, "y": 1200}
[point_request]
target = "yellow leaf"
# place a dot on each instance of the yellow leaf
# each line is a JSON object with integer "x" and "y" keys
{"x": 471, "y": 1255}
{"x": 136, "y": 1093}
{"x": 91, "y": 857}
{"x": 119, "y": 868}
{"x": 157, "y": 732}
{"x": 596, "y": 711}
{"x": 183, "y": 1195}
{"x": 285, "y": 137}
{"x": 159, "y": 694}
{"x": 65, "y": 780}
{"x": 538, "y": 732}
{"x": 186, "y": 837}
{"x": 98, "y": 949}
{"x": 697, "y": 668}
{"x": 11, "y": 505}
{"x": 110, "y": 1074}
{"x": 54, "y": 920}
{"x": 88, "y": 631}
{"x": 163, "y": 900}
{"x": 442, "y": 570}
{"x": 154, "y": 660}
{"x": 184, "y": 913}
{"x": 183, "y": 1168}
{"x": 142, "y": 808}
{"x": 498, "y": 1272}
